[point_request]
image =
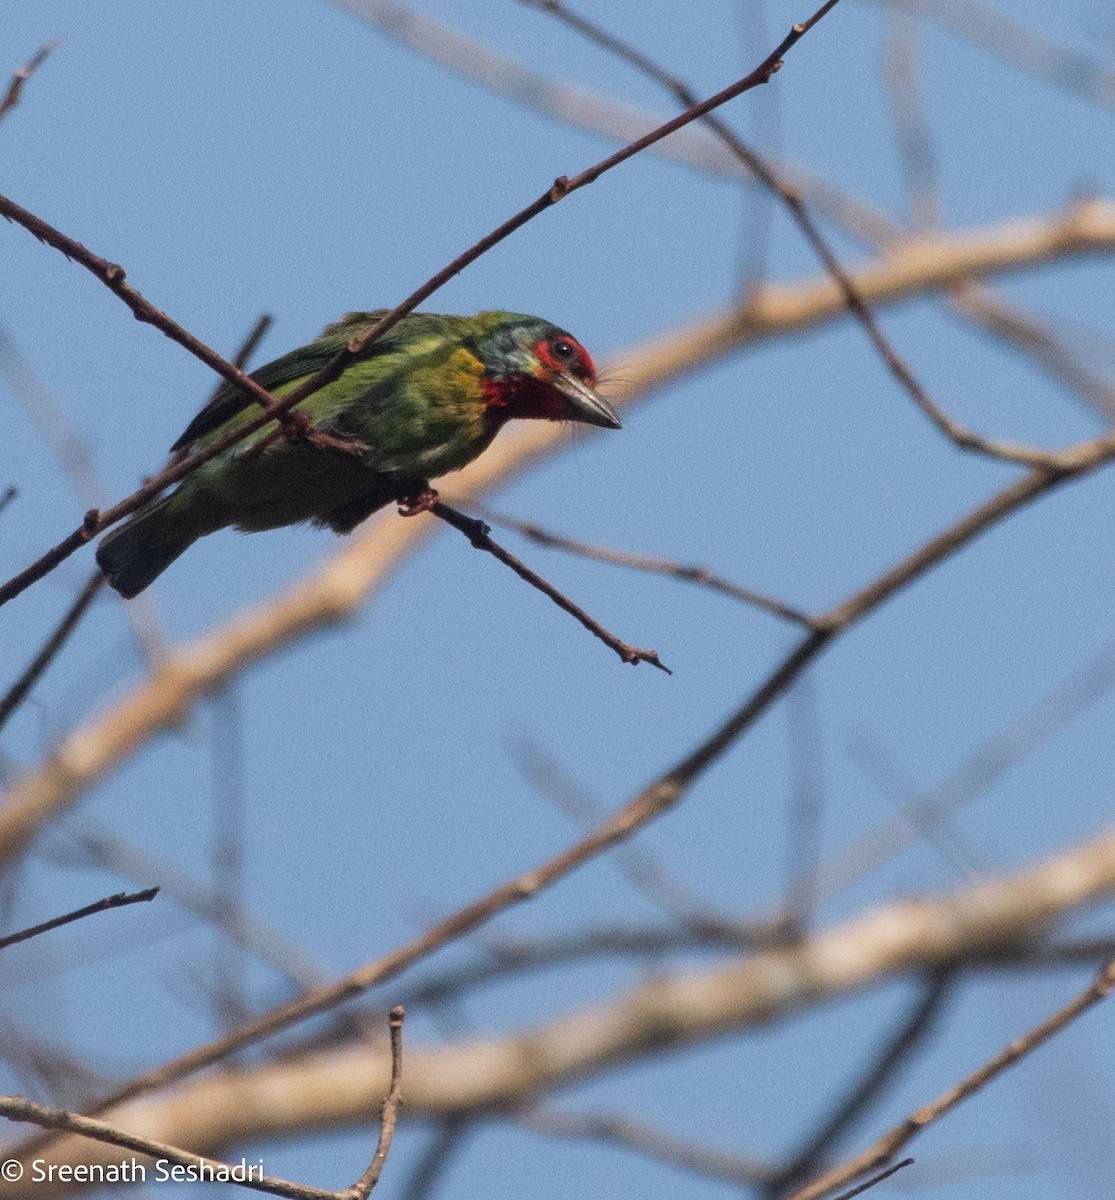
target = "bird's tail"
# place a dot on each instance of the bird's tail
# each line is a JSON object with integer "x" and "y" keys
{"x": 139, "y": 551}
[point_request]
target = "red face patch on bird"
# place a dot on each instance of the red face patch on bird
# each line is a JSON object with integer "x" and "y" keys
{"x": 555, "y": 382}
{"x": 565, "y": 353}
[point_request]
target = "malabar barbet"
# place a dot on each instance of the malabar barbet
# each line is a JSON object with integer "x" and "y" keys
{"x": 425, "y": 399}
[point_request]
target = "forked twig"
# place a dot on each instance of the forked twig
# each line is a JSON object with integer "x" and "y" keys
{"x": 892, "y": 1055}
{"x": 479, "y": 535}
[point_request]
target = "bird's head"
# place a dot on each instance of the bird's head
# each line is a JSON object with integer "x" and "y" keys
{"x": 535, "y": 370}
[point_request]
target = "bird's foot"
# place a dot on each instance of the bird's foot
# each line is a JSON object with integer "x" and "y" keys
{"x": 417, "y": 502}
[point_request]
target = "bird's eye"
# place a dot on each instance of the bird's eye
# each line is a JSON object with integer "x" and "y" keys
{"x": 563, "y": 350}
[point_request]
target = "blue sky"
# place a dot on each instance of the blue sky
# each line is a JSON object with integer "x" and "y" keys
{"x": 285, "y": 157}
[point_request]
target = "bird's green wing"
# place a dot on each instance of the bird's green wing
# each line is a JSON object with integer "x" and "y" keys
{"x": 298, "y": 364}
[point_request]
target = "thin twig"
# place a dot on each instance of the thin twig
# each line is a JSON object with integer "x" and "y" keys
{"x": 76, "y": 459}
{"x": 9, "y": 494}
{"x": 113, "y": 277}
{"x": 976, "y": 774}
{"x": 34, "y": 671}
{"x": 659, "y": 797}
{"x": 902, "y": 80}
{"x": 478, "y": 534}
{"x": 389, "y": 1116}
{"x": 645, "y": 873}
{"x": 1043, "y": 344}
{"x": 806, "y": 808}
{"x": 884, "y": 1150}
{"x": 509, "y": 957}
{"x": 20, "y": 78}
{"x": 644, "y": 562}
{"x": 179, "y": 888}
{"x": 660, "y": 1144}
{"x": 888, "y": 942}
{"x": 868, "y": 1184}
{"x": 119, "y": 900}
{"x": 159, "y": 702}
{"x": 248, "y": 347}
{"x": 1011, "y": 42}
{"x": 228, "y": 838}
{"x": 580, "y": 107}
{"x": 435, "y": 1158}
{"x": 930, "y": 823}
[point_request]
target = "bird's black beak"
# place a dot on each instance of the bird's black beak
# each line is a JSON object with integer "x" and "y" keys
{"x": 585, "y": 404}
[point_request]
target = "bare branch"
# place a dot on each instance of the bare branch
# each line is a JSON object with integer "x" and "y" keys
{"x": 76, "y": 459}
{"x": 902, "y": 76}
{"x": 334, "y": 590}
{"x": 986, "y": 766}
{"x": 34, "y": 671}
{"x": 477, "y": 533}
{"x": 389, "y": 1115}
{"x": 964, "y": 438}
{"x": 1011, "y": 42}
{"x": 189, "y": 894}
{"x": 656, "y": 566}
{"x": 645, "y": 873}
{"x": 507, "y": 957}
{"x": 448, "y": 1139}
{"x": 663, "y": 1145}
{"x": 119, "y": 900}
{"x": 20, "y": 78}
{"x": 880, "y": 1177}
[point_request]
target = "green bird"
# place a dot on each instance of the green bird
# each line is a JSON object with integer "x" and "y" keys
{"x": 424, "y": 400}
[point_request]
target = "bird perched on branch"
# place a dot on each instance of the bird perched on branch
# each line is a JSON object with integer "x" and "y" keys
{"x": 425, "y": 399}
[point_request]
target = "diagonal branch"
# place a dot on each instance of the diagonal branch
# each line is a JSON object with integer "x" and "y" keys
{"x": 118, "y": 900}
{"x": 20, "y": 78}
{"x": 663, "y": 1145}
{"x": 478, "y": 534}
{"x": 19, "y": 690}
